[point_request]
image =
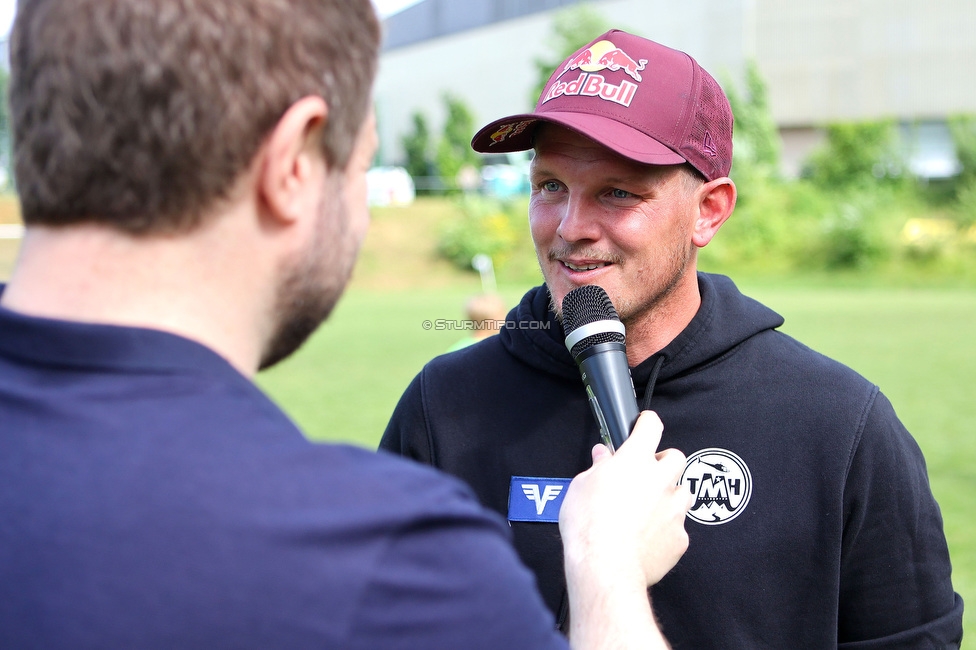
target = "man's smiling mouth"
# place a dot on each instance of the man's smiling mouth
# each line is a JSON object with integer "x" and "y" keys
{"x": 584, "y": 267}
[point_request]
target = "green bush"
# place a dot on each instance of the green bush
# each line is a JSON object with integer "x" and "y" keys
{"x": 771, "y": 230}
{"x": 796, "y": 226}
{"x": 966, "y": 207}
{"x": 857, "y": 155}
{"x": 484, "y": 226}
{"x": 850, "y": 236}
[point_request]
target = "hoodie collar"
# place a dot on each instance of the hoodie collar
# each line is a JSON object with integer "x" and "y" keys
{"x": 541, "y": 347}
{"x": 725, "y": 319}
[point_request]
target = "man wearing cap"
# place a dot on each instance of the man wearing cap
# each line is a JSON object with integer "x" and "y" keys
{"x": 812, "y": 523}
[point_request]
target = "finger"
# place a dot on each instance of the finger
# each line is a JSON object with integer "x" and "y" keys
{"x": 684, "y": 496}
{"x": 648, "y": 430}
{"x": 671, "y": 463}
{"x": 600, "y": 453}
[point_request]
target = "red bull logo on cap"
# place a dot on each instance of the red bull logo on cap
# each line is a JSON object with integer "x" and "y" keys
{"x": 602, "y": 55}
{"x": 506, "y": 131}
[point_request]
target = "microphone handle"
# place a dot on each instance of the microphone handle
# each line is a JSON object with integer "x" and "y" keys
{"x": 610, "y": 389}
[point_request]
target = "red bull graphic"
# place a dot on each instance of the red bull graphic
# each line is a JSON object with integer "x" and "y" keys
{"x": 503, "y": 131}
{"x": 510, "y": 130}
{"x": 602, "y": 55}
{"x": 583, "y": 58}
{"x": 616, "y": 60}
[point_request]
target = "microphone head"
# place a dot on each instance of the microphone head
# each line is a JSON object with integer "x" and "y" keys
{"x": 590, "y": 305}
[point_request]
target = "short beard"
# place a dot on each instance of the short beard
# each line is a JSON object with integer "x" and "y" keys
{"x": 304, "y": 301}
{"x": 570, "y": 250}
{"x": 630, "y": 312}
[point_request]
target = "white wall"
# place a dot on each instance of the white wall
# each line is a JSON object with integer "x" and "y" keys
{"x": 862, "y": 59}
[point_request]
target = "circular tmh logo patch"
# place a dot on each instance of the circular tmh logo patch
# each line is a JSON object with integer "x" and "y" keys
{"x": 721, "y": 483}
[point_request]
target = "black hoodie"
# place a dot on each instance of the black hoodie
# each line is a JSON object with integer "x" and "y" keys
{"x": 814, "y": 524}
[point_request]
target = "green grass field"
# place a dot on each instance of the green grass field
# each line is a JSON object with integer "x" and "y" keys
{"x": 917, "y": 344}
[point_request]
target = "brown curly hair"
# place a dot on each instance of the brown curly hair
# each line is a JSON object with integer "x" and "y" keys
{"x": 141, "y": 114}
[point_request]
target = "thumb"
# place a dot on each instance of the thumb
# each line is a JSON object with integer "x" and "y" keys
{"x": 647, "y": 433}
{"x": 600, "y": 453}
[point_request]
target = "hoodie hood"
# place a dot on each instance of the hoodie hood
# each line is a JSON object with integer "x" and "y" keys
{"x": 698, "y": 344}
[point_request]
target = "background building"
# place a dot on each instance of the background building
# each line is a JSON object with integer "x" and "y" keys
{"x": 823, "y": 61}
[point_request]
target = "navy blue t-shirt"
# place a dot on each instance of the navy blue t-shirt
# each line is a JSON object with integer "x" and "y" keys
{"x": 151, "y": 496}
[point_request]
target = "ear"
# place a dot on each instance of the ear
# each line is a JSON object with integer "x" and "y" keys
{"x": 715, "y": 205}
{"x": 288, "y": 181}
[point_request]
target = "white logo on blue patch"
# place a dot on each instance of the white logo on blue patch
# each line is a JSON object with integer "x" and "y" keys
{"x": 538, "y": 499}
{"x": 721, "y": 483}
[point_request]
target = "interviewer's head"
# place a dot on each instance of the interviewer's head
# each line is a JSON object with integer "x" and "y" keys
{"x": 142, "y": 114}
{"x": 153, "y": 120}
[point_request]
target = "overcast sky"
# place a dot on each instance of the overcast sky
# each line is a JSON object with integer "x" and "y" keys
{"x": 7, "y": 8}
{"x": 384, "y": 7}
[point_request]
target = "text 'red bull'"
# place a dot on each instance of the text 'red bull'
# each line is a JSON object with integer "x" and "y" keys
{"x": 594, "y": 85}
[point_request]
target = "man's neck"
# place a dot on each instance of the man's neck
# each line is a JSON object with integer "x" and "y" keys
{"x": 652, "y": 331}
{"x": 180, "y": 284}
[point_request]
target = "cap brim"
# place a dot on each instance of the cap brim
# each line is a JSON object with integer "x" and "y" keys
{"x": 620, "y": 138}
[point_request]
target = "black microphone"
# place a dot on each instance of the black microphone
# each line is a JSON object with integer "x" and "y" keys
{"x": 595, "y": 338}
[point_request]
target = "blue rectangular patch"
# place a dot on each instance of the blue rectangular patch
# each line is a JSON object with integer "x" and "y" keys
{"x": 532, "y": 498}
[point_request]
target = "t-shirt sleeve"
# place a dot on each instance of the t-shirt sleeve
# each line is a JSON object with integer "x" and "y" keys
{"x": 453, "y": 582}
{"x": 896, "y": 588}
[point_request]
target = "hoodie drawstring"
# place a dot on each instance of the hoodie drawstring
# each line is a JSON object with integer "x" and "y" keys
{"x": 651, "y": 381}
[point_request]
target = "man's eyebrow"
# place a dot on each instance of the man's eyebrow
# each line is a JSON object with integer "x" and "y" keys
{"x": 538, "y": 168}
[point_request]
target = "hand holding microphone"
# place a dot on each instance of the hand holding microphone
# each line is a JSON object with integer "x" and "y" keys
{"x": 622, "y": 526}
{"x": 622, "y": 522}
{"x": 642, "y": 482}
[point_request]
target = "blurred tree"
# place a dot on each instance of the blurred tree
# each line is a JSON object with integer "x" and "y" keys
{"x": 963, "y": 130}
{"x": 416, "y": 146}
{"x": 454, "y": 149}
{"x": 756, "y": 141}
{"x": 572, "y": 28}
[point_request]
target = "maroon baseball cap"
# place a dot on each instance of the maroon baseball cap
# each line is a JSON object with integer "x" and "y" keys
{"x": 643, "y": 100}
